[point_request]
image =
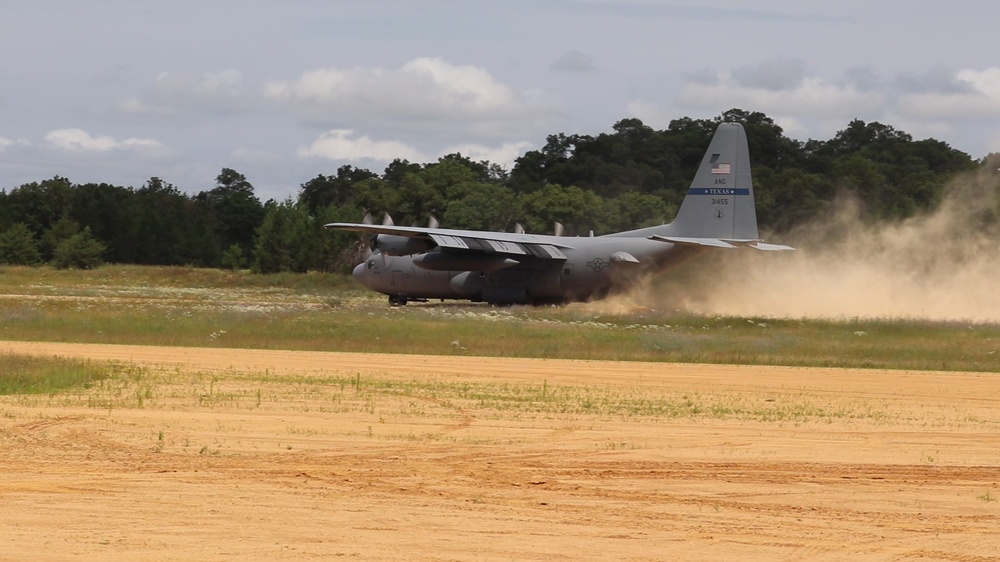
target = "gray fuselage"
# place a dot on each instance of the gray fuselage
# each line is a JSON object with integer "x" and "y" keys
{"x": 594, "y": 266}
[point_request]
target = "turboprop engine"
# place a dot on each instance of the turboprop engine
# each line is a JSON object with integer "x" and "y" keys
{"x": 392, "y": 245}
{"x": 440, "y": 261}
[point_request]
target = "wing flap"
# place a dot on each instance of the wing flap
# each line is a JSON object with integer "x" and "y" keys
{"x": 450, "y": 242}
{"x": 482, "y": 237}
{"x": 501, "y": 247}
{"x": 551, "y": 252}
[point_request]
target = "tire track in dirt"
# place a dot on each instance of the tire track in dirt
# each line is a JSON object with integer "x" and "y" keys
{"x": 493, "y": 485}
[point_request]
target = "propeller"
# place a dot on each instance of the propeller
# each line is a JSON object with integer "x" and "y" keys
{"x": 518, "y": 228}
{"x": 433, "y": 223}
{"x": 367, "y": 242}
{"x": 386, "y": 221}
{"x": 558, "y": 230}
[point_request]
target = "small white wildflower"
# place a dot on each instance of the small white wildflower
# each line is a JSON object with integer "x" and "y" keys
{"x": 859, "y": 333}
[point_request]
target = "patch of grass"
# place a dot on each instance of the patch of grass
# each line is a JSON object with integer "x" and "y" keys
{"x": 376, "y": 395}
{"x": 28, "y": 374}
{"x": 212, "y": 308}
{"x": 40, "y": 280}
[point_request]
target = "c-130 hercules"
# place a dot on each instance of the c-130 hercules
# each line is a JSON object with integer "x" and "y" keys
{"x": 421, "y": 263}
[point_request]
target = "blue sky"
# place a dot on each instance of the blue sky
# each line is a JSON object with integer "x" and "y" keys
{"x": 120, "y": 91}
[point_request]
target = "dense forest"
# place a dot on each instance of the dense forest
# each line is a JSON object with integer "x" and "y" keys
{"x": 631, "y": 177}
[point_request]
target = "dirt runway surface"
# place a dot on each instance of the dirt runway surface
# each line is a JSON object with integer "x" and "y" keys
{"x": 225, "y": 454}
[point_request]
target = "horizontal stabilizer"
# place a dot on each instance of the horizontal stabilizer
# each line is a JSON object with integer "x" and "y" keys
{"x": 770, "y": 247}
{"x": 722, "y": 243}
{"x": 712, "y": 242}
{"x": 623, "y": 257}
{"x": 757, "y": 245}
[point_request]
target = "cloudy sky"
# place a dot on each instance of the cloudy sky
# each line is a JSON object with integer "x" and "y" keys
{"x": 122, "y": 90}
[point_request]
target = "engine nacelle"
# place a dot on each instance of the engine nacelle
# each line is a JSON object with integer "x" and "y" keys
{"x": 439, "y": 261}
{"x": 392, "y": 245}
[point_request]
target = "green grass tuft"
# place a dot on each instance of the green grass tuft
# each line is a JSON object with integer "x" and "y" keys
{"x": 27, "y": 374}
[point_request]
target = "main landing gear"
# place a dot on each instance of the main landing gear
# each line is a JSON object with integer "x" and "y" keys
{"x": 396, "y": 300}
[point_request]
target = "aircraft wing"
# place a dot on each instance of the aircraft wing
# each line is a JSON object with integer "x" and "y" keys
{"x": 721, "y": 243}
{"x": 471, "y": 240}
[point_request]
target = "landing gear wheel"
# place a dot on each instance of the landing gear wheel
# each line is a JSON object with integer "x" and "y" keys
{"x": 395, "y": 300}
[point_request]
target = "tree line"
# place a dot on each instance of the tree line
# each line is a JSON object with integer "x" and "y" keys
{"x": 631, "y": 177}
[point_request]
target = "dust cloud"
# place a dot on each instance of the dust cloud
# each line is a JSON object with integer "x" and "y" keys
{"x": 943, "y": 265}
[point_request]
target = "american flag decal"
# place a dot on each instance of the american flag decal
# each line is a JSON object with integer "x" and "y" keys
{"x": 720, "y": 168}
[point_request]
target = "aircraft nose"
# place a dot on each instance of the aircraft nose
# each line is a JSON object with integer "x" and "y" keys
{"x": 359, "y": 272}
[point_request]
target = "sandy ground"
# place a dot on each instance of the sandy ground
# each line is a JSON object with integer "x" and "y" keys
{"x": 221, "y": 454}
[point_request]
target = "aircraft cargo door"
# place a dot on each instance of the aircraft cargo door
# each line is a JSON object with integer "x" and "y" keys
{"x": 566, "y": 279}
{"x": 399, "y": 282}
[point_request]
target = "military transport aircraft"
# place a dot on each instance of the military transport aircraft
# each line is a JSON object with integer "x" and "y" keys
{"x": 421, "y": 263}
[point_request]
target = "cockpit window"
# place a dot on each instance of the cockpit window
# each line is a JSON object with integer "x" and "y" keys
{"x": 371, "y": 264}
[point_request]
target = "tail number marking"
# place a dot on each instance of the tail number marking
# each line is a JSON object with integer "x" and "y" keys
{"x": 720, "y": 201}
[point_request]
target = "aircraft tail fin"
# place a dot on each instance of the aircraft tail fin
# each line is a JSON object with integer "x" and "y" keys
{"x": 720, "y": 203}
{"x": 718, "y": 210}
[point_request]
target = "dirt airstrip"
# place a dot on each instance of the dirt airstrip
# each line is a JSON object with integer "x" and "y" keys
{"x": 224, "y": 454}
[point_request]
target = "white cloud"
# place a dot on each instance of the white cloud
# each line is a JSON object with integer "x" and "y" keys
{"x": 651, "y": 114}
{"x": 344, "y": 144}
{"x": 985, "y": 81}
{"x": 919, "y": 128}
{"x": 503, "y": 155}
{"x": 136, "y": 106}
{"x": 338, "y": 145}
{"x": 173, "y": 92}
{"x": 993, "y": 145}
{"x": 982, "y": 99}
{"x": 426, "y": 92}
{"x": 812, "y": 96}
{"x": 659, "y": 117}
{"x": 791, "y": 126}
{"x": 469, "y": 87}
{"x": 804, "y": 106}
{"x": 78, "y": 140}
{"x": 6, "y": 143}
